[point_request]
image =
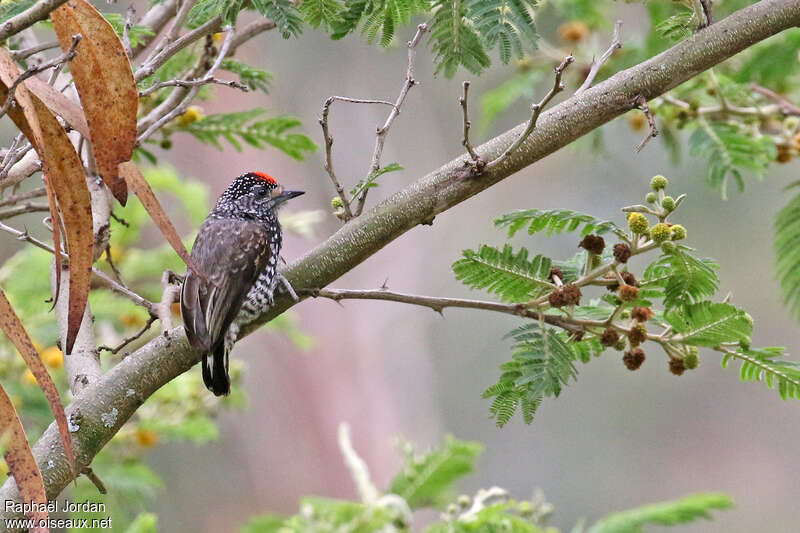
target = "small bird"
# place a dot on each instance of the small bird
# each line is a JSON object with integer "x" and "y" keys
{"x": 234, "y": 270}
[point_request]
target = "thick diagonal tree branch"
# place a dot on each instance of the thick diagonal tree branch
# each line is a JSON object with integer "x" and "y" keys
{"x": 122, "y": 390}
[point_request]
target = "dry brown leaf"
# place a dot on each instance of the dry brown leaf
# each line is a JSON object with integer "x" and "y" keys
{"x": 105, "y": 83}
{"x": 65, "y": 170}
{"x": 59, "y": 104}
{"x": 54, "y": 221}
{"x": 21, "y": 463}
{"x": 138, "y": 184}
{"x": 14, "y": 330}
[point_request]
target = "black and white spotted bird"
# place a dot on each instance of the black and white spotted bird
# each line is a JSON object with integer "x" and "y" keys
{"x": 235, "y": 256}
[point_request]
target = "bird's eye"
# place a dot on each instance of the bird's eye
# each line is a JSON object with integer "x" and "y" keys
{"x": 261, "y": 191}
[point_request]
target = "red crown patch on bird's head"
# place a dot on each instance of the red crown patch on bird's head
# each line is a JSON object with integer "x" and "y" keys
{"x": 265, "y": 177}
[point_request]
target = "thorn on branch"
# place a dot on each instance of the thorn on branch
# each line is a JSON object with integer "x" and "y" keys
{"x": 536, "y": 110}
{"x": 706, "y": 18}
{"x": 478, "y": 162}
{"x": 616, "y": 44}
{"x": 127, "y": 340}
{"x": 641, "y": 102}
{"x": 96, "y": 481}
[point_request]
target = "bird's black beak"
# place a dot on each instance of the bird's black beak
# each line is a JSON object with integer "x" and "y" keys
{"x": 288, "y": 195}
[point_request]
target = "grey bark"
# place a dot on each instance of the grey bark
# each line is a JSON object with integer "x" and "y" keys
{"x": 119, "y": 392}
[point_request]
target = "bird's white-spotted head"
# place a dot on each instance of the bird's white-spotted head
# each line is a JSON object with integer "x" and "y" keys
{"x": 254, "y": 195}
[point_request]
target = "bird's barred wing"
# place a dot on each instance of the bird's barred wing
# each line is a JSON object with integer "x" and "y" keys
{"x": 229, "y": 255}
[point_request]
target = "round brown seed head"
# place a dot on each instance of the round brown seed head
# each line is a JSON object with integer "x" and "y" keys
{"x": 557, "y": 298}
{"x": 637, "y": 335}
{"x": 556, "y": 272}
{"x": 676, "y": 366}
{"x": 633, "y": 360}
{"x": 622, "y": 252}
{"x": 628, "y": 293}
{"x": 641, "y": 314}
{"x": 609, "y": 337}
{"x": 594, "y": 244}
{"x": 629, "y": 278}
{"x": 572, "y": 294}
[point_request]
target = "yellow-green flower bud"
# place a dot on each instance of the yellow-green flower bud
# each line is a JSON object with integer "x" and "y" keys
{"x": 658, "y": 182}
{"x": 668, "y": 203}
{"x": 336, "y": 202}
{"x": 638, "y": 223}
{"x": 690, "y": 361}
{"x": 651, "y": 198}
{"x": 668, "y": 247}
{"x": 678, "y": 232}
{"x": 660, "y": 233}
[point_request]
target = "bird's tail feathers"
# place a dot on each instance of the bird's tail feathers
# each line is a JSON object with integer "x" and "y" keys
{"x": 215, "y": 370}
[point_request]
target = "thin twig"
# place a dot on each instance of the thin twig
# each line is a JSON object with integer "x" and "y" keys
{"x": 709, "y": 20}
{"x": 100, "y": 276}
{"x": 111, "y": 263}
{"x": 152, "y": 64}
{"x": 194, "y": 83}
{"x": 786, "y": 107}
{"x": 180, "y": 108}
{"x": 25, "y": 53}
{"x": 130, "y": 13}
{"x": 96, "y": 481}
{"x": 323, "y": 122}
{"x": 651, "y": 120}
{"x": 170, "y": 293}
{"x": 127, "y": 340}
{"x": 439, "y": 304}
{"x": 33, "y": 70}
{"x": 383, "y": 131}
{"x": 21, "y": 197}
{"x": 21, "y": 209}
{"x": 616, "y": 44}
{"x": 478, "y": 162}
{"x": 38, "y": 11}
{"x": 536, "y": 110}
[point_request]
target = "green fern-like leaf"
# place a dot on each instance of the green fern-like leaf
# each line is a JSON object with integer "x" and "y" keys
{"x": 455, "y": 41}
{"x": 683, "y": 278}
{"x": 787, "y": 250}
{"x": 511, "y": 276}
{"x": 730, "y": 151}
{"x": 379, "y": 19}
{"x": 554, "y": 221}
{"x": 678, "y": 26}
{"x": 252, "y": 77}
{"x": 283, "y": 13}
{"x": 763, "y": 365}
{"x": 241, "y": 126}
{"x": 428, "y": 480}
{"x": 10, "y": 8}
{"x": 710, "y": 324}
{"x": 505, "y": 24}
{"x": 205, "y": 10}
{"x": 322, "y": 13}
{"x": 372, "y": 179}
{"x": 542, "y": 363}
{"x": 682, "y": 511}
{"x": 137, "y": 32}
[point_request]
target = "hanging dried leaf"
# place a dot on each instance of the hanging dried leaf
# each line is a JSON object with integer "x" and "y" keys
{"x": 14, "y": 330}
{"x": 54, "y": 221}
{"x": 21, "y": 463}
{"x": 105, "y": 83}
{"x": 138, "y": 184}
{"x": 65, "y": 170}
{"x": 59, "y": 104}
